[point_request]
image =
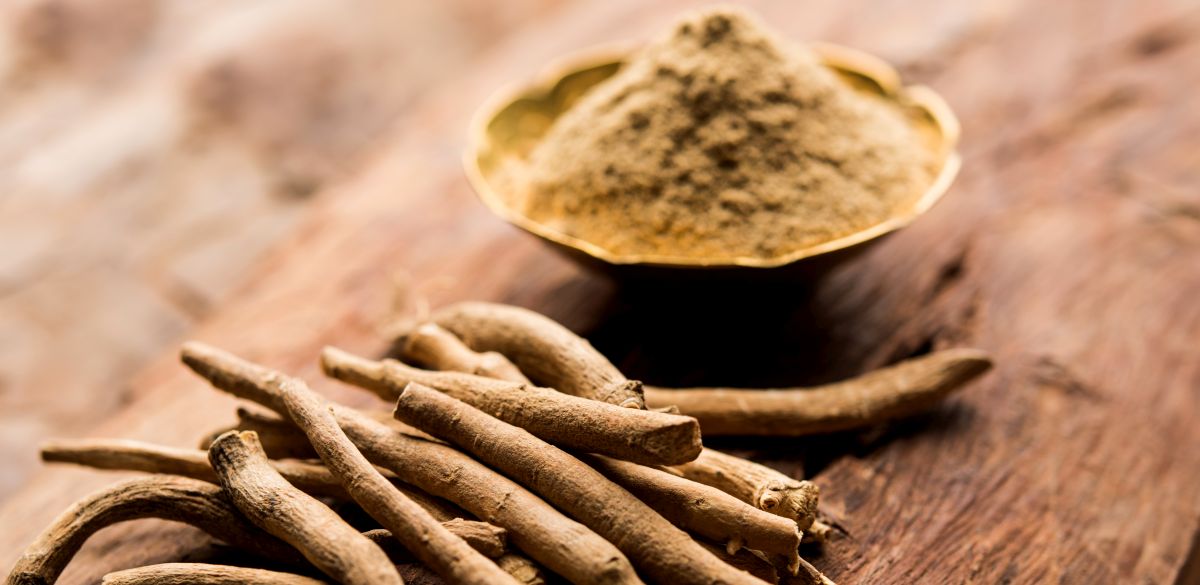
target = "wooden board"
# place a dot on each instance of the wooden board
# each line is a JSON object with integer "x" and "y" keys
{"x": 1070, "y": 248}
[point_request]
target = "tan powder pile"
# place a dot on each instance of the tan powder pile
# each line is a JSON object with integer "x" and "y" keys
{"x": 721, "y": 141}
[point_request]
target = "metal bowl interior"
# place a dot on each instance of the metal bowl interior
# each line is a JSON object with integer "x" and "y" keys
{"x": 512, "y": 122}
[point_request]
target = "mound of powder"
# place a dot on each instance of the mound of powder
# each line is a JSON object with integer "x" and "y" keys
{"x": 720, "y": 141}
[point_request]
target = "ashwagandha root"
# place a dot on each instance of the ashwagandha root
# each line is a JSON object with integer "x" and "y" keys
{"x": 818, "y": 533}
{"x": 438, "y": 349}
{"x": 704, "y": 510}
{"x": 550, "y": 354}
{"x": 490, "y": 541}
{"x": 767, "y": 489}
{"x": 758, "y": 565}
{"x": 662, "y": 551}
{"x": 563, "y": 545}
{"x": 180, "y": 499}
{"x": 809, "y": 575}
{"x": 789, "y": 498}
{"x": 755, "y": 484}
{"x": 274, "y": 505}
{"x": 280, "y": 438}
{"x": 204, "y": 574}
{"x": 572, "y": 422}
{"x": 896, "y": 391}
{"x": 433, "y": 347}
{"x": 522, "y": 569}
{"x": 127, "y": 455}
{"x": 545, "y": 534}
{"x": 436, "y": 547}
{"x": 750, "y": 561}
{"x": 487, "y": 539}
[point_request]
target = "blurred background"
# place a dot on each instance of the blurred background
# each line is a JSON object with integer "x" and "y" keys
{"x": 152, "y": 150}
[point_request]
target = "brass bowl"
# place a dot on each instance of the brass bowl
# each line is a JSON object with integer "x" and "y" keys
{"x": 514, "y": 119}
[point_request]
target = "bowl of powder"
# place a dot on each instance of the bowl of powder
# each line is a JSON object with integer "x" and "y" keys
{"x": 718, "y": 149}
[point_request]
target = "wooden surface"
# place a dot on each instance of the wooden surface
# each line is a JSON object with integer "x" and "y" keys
{"x": 1069, "y": 247}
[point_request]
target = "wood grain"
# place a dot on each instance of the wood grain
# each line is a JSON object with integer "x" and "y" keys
{"x": 1069, "y": 248}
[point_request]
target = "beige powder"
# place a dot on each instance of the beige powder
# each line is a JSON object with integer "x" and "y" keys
{"x": 720, "y": 141}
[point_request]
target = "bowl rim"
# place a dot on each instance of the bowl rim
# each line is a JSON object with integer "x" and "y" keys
{"x": 838, "y": 57}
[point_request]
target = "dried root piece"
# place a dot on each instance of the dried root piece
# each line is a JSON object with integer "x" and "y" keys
{"x": 437, "y": 349}
{"x": 572, "y": 422}
{"x": 483, "y": 537}
{"x": 755, "y": 484}
{"x": 490, "y": 541}
{"x": 750, "y": 561}
{"x": 436, "y": 547}
{"x": 545, "y": 534}
{"x": 663, "y": 552}
{"x": 809, "y": 575}
{"x": 522, "y": 569}
{"x": 181, "y": 499}
{"x": 547, "y": 352}
{"x": 280, "y": 438}
{"x": 892, "y": 392}
{"x": 204, "y": 574}
{"x": 704, "y": 510}
{"x": 122, "y": 454}
{"x": 818, "y": 533}
{"x": 276, "y": 506}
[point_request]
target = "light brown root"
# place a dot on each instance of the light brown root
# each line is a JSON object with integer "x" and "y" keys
{"x": 560, "y": 544}
{"x": 490, "y": 541}
{"x": 522, "y": 569}
{"x": 436, "y": 547}
{"x": 122, "y": 454}
{"x": 896, "y": 391}
{"x": 127, "y": 455}
{"x": 545, "y": 534}
{"x": 572, "y": 422}
{"x": 809, "y": 575}
{"x": 550, "y": 354}
{"x": 204, "y": 574}
{"x": 180, "y": 499}
{"x": 418, "y": 574}
{"x": 662, "y": 551}
{"x": 280, "y": 438}
{"x": 745, "y": 559}
{"x": 487, "y": 539}
{"x": 818, "y": 533}
{"x": 274, "y": 505}
{"x": 437, "y": 349}
{"x": 704, "y": 510}
{"x": 755, "y": 484}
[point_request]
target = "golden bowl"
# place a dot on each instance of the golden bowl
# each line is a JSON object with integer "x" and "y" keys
{"x": 514, "y": 119}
